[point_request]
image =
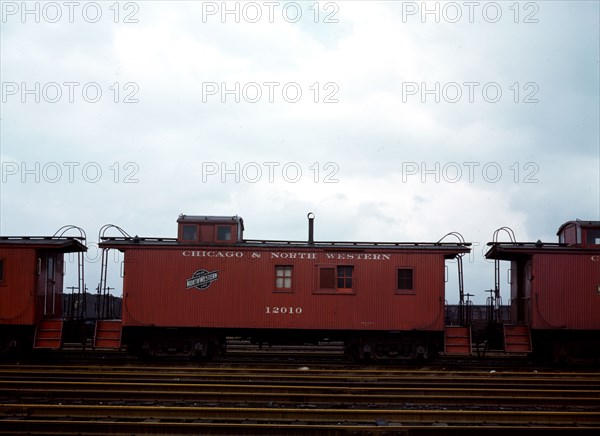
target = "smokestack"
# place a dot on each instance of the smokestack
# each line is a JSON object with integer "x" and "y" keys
{"x": 311, "y": 228}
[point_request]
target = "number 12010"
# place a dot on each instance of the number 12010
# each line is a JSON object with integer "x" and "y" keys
{"x": 283, "y": 310}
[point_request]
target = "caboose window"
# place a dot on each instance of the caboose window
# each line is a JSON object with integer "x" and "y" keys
{"x": 405, "y": 279}
{"x": 333, "y": 279}
{"x": 593, "y": 236}
{"x": 344, "y": 277}
{"x": 283, "y": 278}
{"x": 223, "y": 233}
{"x": 190, "y": 232}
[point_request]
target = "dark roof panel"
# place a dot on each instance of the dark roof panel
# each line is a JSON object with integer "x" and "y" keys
{"x": 580, "y": 223}
{"x": 62, "y": 244}
{"x": 512, "y": 250}
{"x": 450, "y": 248}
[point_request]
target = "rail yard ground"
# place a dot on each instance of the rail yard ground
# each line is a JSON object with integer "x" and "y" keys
{"x": 292, "y": 392}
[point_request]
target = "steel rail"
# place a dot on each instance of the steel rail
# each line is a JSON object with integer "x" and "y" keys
{"x": 415, "y": 401}
{"x": 290, "y": 415}
{"x": 256, "y": 388}
{"x": 308, "y": 385}
{"x": 305, "y": 373}
{"x": 266, "y": 368}
{"x": 104, "y": 428}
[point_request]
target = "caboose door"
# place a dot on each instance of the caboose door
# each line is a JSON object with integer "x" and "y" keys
{"x": 49, "y": 285}
{"x": 522, "y": 299}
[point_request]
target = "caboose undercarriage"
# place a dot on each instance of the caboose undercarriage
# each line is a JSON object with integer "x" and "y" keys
{"x": 398, "y": 345}
{"x": 164, "y": 341}
{"x": 208, "y": 343}
{"x": 566, "y": 346}
{"x": 16, "y": 338}
{"x": 547, "y": 346}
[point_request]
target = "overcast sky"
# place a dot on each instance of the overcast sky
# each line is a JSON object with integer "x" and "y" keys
{"x": 391, "y": 121}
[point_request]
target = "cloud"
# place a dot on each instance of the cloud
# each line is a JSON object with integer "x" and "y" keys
{"x": 423, "y": 125}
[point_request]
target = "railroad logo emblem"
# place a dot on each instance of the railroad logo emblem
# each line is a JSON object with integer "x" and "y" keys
{"x": 202, "y": 279}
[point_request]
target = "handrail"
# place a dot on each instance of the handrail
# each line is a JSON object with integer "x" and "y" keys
{"x": 64, "y": 229}
{"x": 508, "y": 231}
{"x": 456, "y": 235}
{"x": 106, "y": 227}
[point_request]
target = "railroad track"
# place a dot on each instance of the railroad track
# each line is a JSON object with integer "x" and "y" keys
{"x": 72, "y": 419}
{"x": 233, "y": 399}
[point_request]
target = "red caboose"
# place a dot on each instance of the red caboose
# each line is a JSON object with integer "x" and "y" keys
{"x": 555, "y": 292}
{"x": 31, "y": 290}
{"x": 189, "y": 293}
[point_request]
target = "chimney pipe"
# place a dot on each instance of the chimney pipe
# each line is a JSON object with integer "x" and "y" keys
{"x": 311, "y": 228}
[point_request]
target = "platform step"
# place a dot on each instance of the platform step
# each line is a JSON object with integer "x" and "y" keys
{"x": 457, "y": 341}
{"x": 517, "y": 338}
{"x": 48, "y": 334}
{"x": 108, "y": 334}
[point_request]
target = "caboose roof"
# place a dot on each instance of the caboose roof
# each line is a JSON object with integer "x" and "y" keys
{"x": 450, "y": 249}
{"x": 580, "y": 223}
{"x": 60, "y": 244}
{"x": 514, "y": 250}
{"x": 193, "y": 219}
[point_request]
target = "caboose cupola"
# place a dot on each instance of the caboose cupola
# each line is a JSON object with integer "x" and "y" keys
{"x": 580, "y": 233}
{"x": 195, "y": 229}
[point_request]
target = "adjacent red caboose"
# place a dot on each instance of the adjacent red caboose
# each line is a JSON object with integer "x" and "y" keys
{"x": 555, "y": 292}
{"x": 31, "y": 290}
{"x": 188, "y": 294}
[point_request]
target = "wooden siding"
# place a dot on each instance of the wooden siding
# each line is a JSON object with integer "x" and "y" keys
{"x": 18, "y": 290}
{"x": 156, "y": 292}
{"x": 565, "y": 291}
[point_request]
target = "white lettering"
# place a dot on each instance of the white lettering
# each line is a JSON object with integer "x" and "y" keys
{"x": 284, "y": 255}
{"x": 212, "y": 254}
{"x": 283, "y": 310}
{"x": 287, "y": 255}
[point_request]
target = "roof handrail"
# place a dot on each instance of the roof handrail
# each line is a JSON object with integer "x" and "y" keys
{"x": 106, "y": 227}
{"x": 64, "y": 229}
{"x": 457, "y": 235}
{"x": 508, "y": 231}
